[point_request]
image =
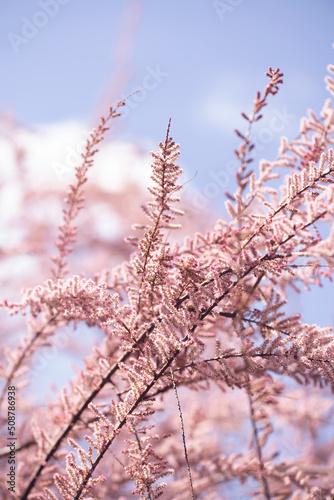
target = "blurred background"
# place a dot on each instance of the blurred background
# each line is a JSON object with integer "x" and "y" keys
{"x": 201, "y": 62}
{"x": 64, "y": 62}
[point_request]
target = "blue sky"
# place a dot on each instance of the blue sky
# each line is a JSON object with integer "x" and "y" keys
{"x": 210, "y": 57}
{"x": 201, "y": 61}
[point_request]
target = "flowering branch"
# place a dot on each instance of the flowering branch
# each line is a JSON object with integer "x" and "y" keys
{"x": 74, "y": 201}
{"x": 207, "y": 315}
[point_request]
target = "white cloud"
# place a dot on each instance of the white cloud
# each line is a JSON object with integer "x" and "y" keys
{"x": 53, "y": 151}
{"x": 225, "y": 100}
{"x": 50, "y": 154}
{"x": 230, "y": 94}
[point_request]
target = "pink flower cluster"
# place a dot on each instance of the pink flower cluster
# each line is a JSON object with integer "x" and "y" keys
{"x": 199, "y": 380}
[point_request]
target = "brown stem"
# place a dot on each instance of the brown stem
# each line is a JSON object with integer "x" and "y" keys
{"x": 37, "y": 472}
{"x": 119, "y": 426}
{"x": 262, "y": 478}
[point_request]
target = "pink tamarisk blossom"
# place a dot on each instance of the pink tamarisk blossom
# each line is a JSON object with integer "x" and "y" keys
{"x": 199, "y": 382}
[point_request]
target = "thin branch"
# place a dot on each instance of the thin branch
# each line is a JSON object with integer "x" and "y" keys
{"x": 120, "y": 425}
{"x": 64, "y": 432}
{"x": 262, "y": 478}
{"x": 183, "y": 434}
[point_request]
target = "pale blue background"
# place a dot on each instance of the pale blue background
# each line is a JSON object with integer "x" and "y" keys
{"x": 66, "y": 70}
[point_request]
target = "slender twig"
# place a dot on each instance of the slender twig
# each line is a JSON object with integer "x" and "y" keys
{"x": 157, "y": 376}
{"x": 69, "y": 426}
{"x": 183, "y": 433}
{"x": 262, "y": 478}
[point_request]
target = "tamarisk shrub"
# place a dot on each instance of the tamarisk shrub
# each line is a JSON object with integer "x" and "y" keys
{"x": 203, "y": 386}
